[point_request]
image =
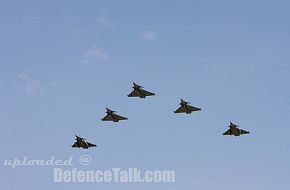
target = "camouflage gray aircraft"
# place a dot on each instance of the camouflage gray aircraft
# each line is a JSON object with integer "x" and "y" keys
{"x": 186, "y": 108}
{"x": 82, "y": 143}
{"x": 234, "y": 130}
{"x": 139, "y": 92}
{"x": 111, "y": 116}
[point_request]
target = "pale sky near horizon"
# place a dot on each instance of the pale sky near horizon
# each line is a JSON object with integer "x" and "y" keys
{"x": 63, "y": 62}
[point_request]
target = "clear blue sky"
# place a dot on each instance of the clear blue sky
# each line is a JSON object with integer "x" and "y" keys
{"x": 63, "y": 62}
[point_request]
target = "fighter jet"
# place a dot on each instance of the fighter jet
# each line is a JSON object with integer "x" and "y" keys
{"x": 139, "y": 92}
{"x": 111, "y": 116}
{"x": 186, "y": 108}
{"x": 234, "y": 130}
{"x": 82, "y": 143}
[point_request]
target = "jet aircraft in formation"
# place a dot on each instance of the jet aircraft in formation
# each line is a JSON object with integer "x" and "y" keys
{"x": 139, "y": 92}
{"x": 186, "y": 108}
{"x": 112, "y": 116}
{"x": 235, "y": 130}
{"x": 82, "y": 143}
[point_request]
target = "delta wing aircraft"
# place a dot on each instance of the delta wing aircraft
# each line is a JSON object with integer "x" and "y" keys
{"x": 186, "y": 108}
{"x": 111, "y": 116}
{"x": 235, "y": 130}
{"x": 82, "y": 143}
{"x": 139, "y": 92}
